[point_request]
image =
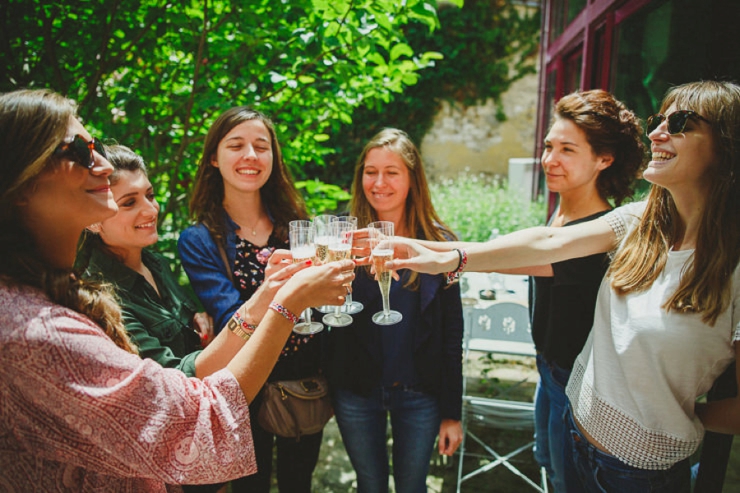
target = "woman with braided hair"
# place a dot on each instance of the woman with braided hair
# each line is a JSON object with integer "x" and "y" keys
{"x": 80, "y": 410}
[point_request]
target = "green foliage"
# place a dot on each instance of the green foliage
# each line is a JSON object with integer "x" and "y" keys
{"x": 154, "y": 74}
{"x": 474, "y": 205}
{"x": 322, "y": 197}
{"x": 485, "y": 46}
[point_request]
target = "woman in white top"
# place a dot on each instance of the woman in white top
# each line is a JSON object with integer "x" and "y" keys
{"x": 667, "y": 313}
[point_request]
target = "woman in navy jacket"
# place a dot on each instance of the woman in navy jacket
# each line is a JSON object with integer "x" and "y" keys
{"x": 411, "y": 370}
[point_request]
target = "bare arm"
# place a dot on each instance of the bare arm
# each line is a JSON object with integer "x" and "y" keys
{"x": 526, "y": 248}
{"x": 226, "y": 344}
{"x": 315, "y": 286}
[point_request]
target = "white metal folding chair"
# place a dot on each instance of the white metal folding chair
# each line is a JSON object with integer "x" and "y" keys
{"x": 500, "y": 328}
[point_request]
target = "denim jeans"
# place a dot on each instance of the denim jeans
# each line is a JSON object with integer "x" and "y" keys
{"x": 363, "y": 423}
{"x": 602, "y": 472}
{"x": 552, "y": 450}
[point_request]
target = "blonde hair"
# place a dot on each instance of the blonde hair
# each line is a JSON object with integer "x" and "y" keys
{"x": 32, "y": 125}
{"x": 705, "y": 286}
{"x": 422, "y": 221}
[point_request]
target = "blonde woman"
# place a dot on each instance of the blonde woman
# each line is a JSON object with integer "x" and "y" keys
{"x": 410, "y": 371}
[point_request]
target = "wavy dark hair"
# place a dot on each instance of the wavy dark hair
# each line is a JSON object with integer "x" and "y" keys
{"x": 610, "y": 129}
{"x": 32, "y": 124}
{"x": 123, "y": 159}
{"x": 283, "y": 201}
{"x": 705, "y": 286}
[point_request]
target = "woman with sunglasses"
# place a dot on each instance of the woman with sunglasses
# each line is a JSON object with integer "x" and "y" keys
{"x": 243, "y": 201}
{"x": 81, "y": 411}
{"x": 666, "y": 319}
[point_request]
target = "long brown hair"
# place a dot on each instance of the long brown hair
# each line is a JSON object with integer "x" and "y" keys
{"x": 705, "y": 286}
{"x": 610, "y": 129}
{"x": 421, "y": 218}
{"x": 283, "y": 201}
{"x": 32, "y": 125}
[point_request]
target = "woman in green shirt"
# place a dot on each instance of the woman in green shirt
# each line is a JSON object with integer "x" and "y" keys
{"x": 160, "y": 316}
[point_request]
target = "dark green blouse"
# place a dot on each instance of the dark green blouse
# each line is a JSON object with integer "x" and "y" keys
{"x": 159, "y": 324}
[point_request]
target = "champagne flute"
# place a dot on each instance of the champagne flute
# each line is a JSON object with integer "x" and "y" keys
{"x": 302, "y": 248}
{"x": 322, "y": 234}
{"x": 340, "y": 248}
{"x": 350, "y": 306}
{"x": 381, "y": 236}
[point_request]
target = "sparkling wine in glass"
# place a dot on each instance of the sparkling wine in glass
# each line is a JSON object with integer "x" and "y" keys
{"x": 321, "y": 239}
{"x": 302, "y": 248}
{"x": 381, "y": 241}
{"x": 340, "y": 248}
{"x": 350, "y": 306}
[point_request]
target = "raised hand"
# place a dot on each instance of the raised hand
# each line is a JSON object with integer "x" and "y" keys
{"x": 409, "y": 254}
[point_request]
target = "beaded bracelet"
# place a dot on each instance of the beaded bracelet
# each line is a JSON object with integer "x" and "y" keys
{"x": 453, "y": 276}
{"x": 240, "y": 327}
{"x": 284, "y": 312}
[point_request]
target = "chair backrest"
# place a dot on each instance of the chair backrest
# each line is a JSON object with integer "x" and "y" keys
{"x": 501, "y": 327}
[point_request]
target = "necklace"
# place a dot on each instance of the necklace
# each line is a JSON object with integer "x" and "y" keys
{"x": 254, "y": 228}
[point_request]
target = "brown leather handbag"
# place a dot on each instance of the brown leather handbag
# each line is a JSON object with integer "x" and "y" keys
{"x": 292, "y": 408}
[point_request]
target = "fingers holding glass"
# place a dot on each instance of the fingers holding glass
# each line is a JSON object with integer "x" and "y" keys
{"x": 350, "y": 306}
{"x": 340, "y": 248}
{"x": 302, "y": 247}
{"x": 381, "y": 241}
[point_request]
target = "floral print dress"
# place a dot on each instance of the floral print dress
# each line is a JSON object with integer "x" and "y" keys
{"x": 249, "y": 273}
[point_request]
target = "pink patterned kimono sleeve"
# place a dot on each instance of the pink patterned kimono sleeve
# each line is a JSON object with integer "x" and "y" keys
{"x": 71, "y": 398}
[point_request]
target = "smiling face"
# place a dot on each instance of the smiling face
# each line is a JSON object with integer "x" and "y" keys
{"x": 684, "y": 159}
{"x": 135, "y": 225}
{"x": 68, "y": 194}
{"x": 386, "y": 182}
{"x": 244, "y": 157}
{"x": 568, "y": 160}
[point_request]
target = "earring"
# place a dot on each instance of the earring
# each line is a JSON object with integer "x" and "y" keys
{"x": 95, "y": 228}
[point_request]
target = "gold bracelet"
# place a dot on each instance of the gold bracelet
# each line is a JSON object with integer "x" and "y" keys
{"x": 238, "y": 326}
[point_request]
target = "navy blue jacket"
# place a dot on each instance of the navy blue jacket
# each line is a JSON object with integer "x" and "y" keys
{"x": 355, "y": 359}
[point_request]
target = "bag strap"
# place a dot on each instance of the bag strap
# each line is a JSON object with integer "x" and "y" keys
{"x": 222, "y": 253}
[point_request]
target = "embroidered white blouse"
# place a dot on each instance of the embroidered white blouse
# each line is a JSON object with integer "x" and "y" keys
{"x": 634, "y": 385}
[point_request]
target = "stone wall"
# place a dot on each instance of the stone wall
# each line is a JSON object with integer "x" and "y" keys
{"x": 473, "y": 139}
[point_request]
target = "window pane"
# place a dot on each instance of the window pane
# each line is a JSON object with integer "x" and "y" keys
{"x": 562, "y": 13}
{"x": 598, "y": 59}
{"x": 670, "y": 42}
{"x": 574, "y": 8}
{"x": 557, "y": 18}
{"x": 573, "y": 65}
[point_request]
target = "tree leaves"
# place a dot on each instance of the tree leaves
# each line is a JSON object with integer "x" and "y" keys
{"x": 154, "y": 74}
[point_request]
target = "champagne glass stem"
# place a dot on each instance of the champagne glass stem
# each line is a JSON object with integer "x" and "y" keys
{"x": 307, "y": 315}
{"x": 386, "y": 305}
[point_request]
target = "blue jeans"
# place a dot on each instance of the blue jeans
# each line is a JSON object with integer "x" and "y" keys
{"x": 552, "y": 450}
{"x": 363, "y": 423}
{"x": 602, "y": 472}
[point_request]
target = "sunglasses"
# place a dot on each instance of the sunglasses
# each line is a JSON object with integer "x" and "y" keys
{"x": 81, "y": 151}
{"x": 676, "y": 121}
